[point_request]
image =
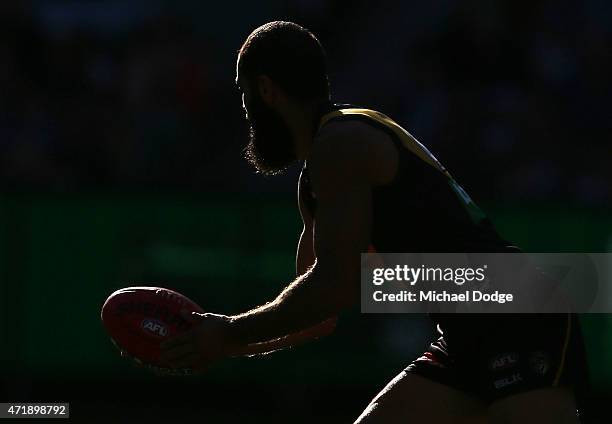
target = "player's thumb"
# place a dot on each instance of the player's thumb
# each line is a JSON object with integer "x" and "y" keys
{"x": 190, "y": 316}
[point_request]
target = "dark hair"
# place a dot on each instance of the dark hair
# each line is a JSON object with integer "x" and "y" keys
{"x": 290, "y": 55}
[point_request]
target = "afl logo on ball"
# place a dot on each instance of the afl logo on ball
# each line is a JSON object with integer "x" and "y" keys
{"x": 154, "y": 327}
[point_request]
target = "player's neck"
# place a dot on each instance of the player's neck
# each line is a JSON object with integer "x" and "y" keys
{"x": 300, "y": 123}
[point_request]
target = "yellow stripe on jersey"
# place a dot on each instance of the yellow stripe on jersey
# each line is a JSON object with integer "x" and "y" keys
{"x": 406, "y": 138}
{"x": 410, "y": 143}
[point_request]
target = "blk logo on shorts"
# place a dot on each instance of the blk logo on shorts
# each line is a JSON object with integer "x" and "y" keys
{"x": 507, "y": 381}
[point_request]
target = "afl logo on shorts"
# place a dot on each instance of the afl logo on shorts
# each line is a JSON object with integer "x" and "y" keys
{"x": 154, "y": 327}
{"x": 503, "y": 361}
{"x": 539, "y": 363}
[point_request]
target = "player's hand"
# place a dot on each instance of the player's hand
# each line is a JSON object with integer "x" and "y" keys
{"x": 208, "y": 341}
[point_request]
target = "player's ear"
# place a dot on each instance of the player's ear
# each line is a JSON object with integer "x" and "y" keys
{"x": 268, "y": 90}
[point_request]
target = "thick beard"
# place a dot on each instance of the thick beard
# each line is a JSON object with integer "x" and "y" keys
{"x": 270, "y": 149}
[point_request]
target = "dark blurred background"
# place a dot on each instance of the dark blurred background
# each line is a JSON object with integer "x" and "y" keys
{"x": 121, "y": 135}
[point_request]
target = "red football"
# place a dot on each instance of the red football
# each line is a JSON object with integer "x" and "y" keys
{"x": 139, "y": 319}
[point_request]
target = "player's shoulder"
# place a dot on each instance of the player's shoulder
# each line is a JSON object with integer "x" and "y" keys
{"x": 353, "y": 146}
{"x": 348, "y": 137}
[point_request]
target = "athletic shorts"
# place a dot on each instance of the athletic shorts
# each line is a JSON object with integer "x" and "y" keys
{"x": 494, "y": 356}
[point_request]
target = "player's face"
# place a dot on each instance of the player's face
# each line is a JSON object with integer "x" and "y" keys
{"x": 270, "y": 148}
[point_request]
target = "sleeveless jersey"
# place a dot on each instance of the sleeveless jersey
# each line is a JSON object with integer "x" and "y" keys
{"x": 423, "y": 209}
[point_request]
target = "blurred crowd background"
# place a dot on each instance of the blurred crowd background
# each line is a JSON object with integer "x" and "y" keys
{"x": 121, "y": 137}
{"x": 106, "y": 95}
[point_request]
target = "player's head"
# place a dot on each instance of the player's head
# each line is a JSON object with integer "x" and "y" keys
{"x": 280, "y": 64}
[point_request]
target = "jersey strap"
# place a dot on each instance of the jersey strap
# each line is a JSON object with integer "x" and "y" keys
{"x": 404, "y": 136}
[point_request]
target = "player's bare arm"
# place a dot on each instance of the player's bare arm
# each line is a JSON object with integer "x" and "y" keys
{"x": 305, "y": 258}
{"x": 345, "y": 162}
{"x": 382, "y": 164}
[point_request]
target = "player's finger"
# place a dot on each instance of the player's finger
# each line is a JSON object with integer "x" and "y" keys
{"x": 187, "y": 361}
{"x": 171, "y": 354}
{"x": 191, "y": 316}
{"x": 136, "y": 361}
{"x": 162, "y": 372}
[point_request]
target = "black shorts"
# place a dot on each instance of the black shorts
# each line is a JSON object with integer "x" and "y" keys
{"x": 494, "y": 356}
